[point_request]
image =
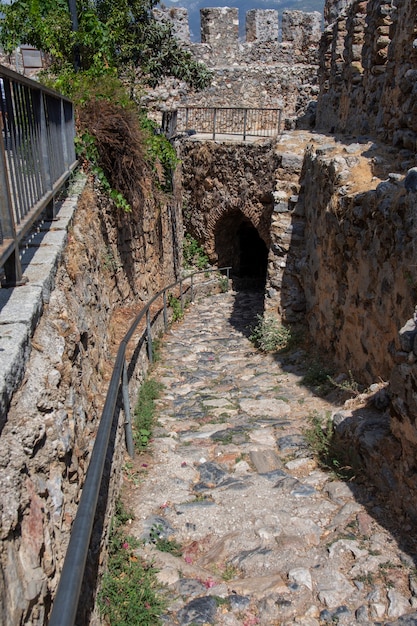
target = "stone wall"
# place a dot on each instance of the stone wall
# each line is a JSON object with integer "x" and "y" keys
{"x": 258, "y": 72}
{"x": 224, "y": 181}
{"x": 368, "y": 63}
{"x": 112, "y": 263}
{"x": 357, "y": 261}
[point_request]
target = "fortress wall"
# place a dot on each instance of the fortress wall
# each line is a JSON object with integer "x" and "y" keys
{"x": 368, "y": 66}
{"x": 258, "y": 72}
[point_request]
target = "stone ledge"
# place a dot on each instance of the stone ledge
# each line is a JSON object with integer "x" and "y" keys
{"x": 22, "y": 307}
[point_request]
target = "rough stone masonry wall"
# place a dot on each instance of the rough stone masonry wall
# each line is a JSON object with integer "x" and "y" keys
{"x": 359, "y": 270}
{"x": 222, "y": 185}
{"x": 368, "y": 69}
{"x": 258, "y": 72}
{"x": 357, "y": 265}
{"x": 113, "y": 262}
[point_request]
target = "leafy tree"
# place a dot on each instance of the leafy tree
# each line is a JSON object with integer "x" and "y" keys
{"x": 114, "y": 36}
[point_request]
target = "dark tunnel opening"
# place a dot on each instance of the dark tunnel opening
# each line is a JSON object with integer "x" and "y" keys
{"x": 239, "y": 244}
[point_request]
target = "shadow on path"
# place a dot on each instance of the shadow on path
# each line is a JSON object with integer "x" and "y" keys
{"x": 246, "y": 308}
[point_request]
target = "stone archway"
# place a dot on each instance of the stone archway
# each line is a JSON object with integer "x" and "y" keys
{"x": 238, "y": 243}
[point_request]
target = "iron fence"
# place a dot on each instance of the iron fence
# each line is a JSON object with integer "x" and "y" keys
{"x": 67, "y": 597}
{"x": 37, "y": 155}
{"x": 216, "y": 121}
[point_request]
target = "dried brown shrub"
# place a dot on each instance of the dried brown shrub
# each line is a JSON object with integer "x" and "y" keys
{"x": 120, "y": 144}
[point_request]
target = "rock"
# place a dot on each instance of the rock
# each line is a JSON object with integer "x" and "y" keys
{"x": 398, "y": 604}
{"x": 259, "y": 586}
{"x": 211, "y": 474}
{"x": 266, "y": 461}
{"x": 301, "y": 576}
{"x": 156, "y": 527}
{"x": 238, "y": 602}
{"x": 410, "y": 182}
{"x": 333, "y": 588}
{"x": 198, "y": 611}
{"x": 407, "y": 335}
{"x": 405, "y": 620}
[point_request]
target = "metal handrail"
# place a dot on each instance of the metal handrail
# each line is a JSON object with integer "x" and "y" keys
{"x": 37, "y": 155}
{"x": 256, "y": 122}
{"x": 68, "y": 593}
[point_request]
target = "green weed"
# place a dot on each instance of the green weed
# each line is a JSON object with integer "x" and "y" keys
{"x": 317, "y": 378}
{"x": 319, "y": 435}
{"x": 224, "y": 284}
{"x": 193, "y": 254}
{"x": 162, "y": 543}
{"x": 175, "y": 305}
{"x": 350, "y": 385}
{"x": 129, "y": 588}
{"x": 156, "y": 349}
{"x": 230, "y": 572}
{"x": 367, "y": 578}
{"x": 269, "y": 335}
{"x": 145, "y": 412}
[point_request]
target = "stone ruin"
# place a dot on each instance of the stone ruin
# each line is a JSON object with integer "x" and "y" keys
{"x": 265, "y": 70}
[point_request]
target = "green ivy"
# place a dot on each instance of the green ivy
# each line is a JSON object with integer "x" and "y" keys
{"x": 159, "y": 150}
{"x": 193, "y": 253}
{"x": 86, "y": 149}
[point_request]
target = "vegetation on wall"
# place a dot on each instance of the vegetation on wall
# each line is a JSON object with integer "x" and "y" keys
{"x": 104, "y": 65}
{"x": 117, "y": 37}
{"x": 193, "y": 253}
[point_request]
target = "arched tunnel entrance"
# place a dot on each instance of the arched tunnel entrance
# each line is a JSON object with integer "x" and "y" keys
{"x": 238, "y": 243}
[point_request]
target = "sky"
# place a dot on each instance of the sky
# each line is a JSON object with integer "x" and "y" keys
{"x": 194, "y": 7}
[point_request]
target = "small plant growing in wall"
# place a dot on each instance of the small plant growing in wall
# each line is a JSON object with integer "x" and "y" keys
{"x": 269, "y": 335}
{"x": 320, "y": 436}
{"x": 193, "y": 254}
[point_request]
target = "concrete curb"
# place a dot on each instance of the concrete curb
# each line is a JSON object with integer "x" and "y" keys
{"x": 22, "y": 307}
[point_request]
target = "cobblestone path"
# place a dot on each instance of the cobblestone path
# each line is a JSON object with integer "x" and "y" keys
{"x": 267, "y": 537}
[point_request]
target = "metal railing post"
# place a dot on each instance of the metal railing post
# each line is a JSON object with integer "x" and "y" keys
{"x": 12, "y": 265}
{"x": 165, "y": 310}
{"x": 245, "y": 119}
{"x": 126, "y": 407}
{"x": 214, "y": 123}
{"x": 149, "y": 335}
{"x": 228, "y": 277}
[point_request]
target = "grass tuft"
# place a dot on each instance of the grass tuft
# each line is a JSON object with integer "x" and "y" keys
{"x": 129, "y": 593}
{"x": 269, "y": 335}
{"x": 145, "y": 412}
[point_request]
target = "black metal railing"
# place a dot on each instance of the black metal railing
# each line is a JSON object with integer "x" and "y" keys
{"x": 68, "y": 593}
{"x": 37, "y": 155}
{"x": 215, "y": 121}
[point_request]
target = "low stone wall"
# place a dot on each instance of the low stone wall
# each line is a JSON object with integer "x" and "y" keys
{"x": 112, "y": 263}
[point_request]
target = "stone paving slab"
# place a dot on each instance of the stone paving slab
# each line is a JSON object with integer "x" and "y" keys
{"x": 267, "y": 536}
